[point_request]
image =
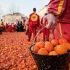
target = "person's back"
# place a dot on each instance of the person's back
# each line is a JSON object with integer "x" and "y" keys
{"x": 34, "y": 19}
{"x": 34, "y": 22}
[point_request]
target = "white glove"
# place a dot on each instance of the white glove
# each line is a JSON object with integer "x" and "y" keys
{"x": 52, "y": 20}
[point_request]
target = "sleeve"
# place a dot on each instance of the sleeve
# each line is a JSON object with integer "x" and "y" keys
{"x": 42, "y": 20}
{"x": 56, "y": 6}
{"x": 29, "y": 18}
{"x": 39, "y": 19}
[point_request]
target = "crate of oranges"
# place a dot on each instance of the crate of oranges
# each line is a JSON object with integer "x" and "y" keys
{"x": 51, "y": 55}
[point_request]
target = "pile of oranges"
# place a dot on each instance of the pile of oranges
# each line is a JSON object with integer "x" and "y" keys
{"x": 14, "y": 52}
{"x": 53, "y": 47}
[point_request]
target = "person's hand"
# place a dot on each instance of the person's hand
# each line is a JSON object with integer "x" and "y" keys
{"x": 51, "y": 19}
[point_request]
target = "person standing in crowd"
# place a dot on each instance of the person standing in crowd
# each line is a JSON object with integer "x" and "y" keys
{"x": 7, "y": 27}
{"x": 33, "y": 24}
{"x": 14, "y": 27}
{"x": 10, "y": 27}
{"x": 46, "y": 31}
{"x": 18, "y": 26}
{"x": 59, "y": 16}
{"x": 2, "y": 27}
{"x": 21, "y": 26}
{"x": 24, "y": 25}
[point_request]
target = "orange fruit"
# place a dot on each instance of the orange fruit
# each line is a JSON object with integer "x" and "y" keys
{"x": 67, "y": 45}
{"x": 48, "y": 46}
{"x": 35, "y": 49}
{"x": 62, "y": 40}
{"x": 40, "y": 44}
{"x": 60, "y": 49}
{"x": 43, "y": 51}
{"x": 53, "y": 53}
{"x": 54, "y": 42}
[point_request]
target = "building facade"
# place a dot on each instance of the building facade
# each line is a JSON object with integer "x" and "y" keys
{"x": 12, "y": 18}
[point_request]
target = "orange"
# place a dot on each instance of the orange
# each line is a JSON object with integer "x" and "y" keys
{"x": 54, "y": 42}
{"x": 48, "y": 46}
{"x": 60, "y": 49}
{"x": 53, "y": 53}
{"x": 40, "y": 44}
{"x": 67, "y": 45}
{"x": 62, "y": 40}
{"x": 35, "y": 49}
{"x": 43, "y": 51}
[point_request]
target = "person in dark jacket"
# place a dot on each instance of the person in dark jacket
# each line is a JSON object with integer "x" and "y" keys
{"x": 19, "y": 26}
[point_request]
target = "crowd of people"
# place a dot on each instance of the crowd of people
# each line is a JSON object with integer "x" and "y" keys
{"x": 11, "y": 27}
{"x": 35, "y": 23}
{"x": 58, "y": 16}
{"x": 32, "y": 25}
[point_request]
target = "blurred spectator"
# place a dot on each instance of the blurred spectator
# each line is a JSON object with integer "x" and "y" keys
{"x": 6, "y": 27}
{"x": 24, "y": 24}
{"x": 46, "y": 31}
{"x": 17, "y": 26}
{"x": 2, "y": 27}
{"x": 14, "y": 27}
{"x": 20, "y": 26}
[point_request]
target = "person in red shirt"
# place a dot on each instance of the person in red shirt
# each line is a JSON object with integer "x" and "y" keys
{"x": 59, "y": 10}
{"x": 10, "y": 27}
{"x": 46, "y": 31}
{"x": 33, "y": 24}
{"x": 59, "y": 16}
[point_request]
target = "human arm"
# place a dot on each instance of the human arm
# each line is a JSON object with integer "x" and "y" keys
{"x": 55, "y": 9}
